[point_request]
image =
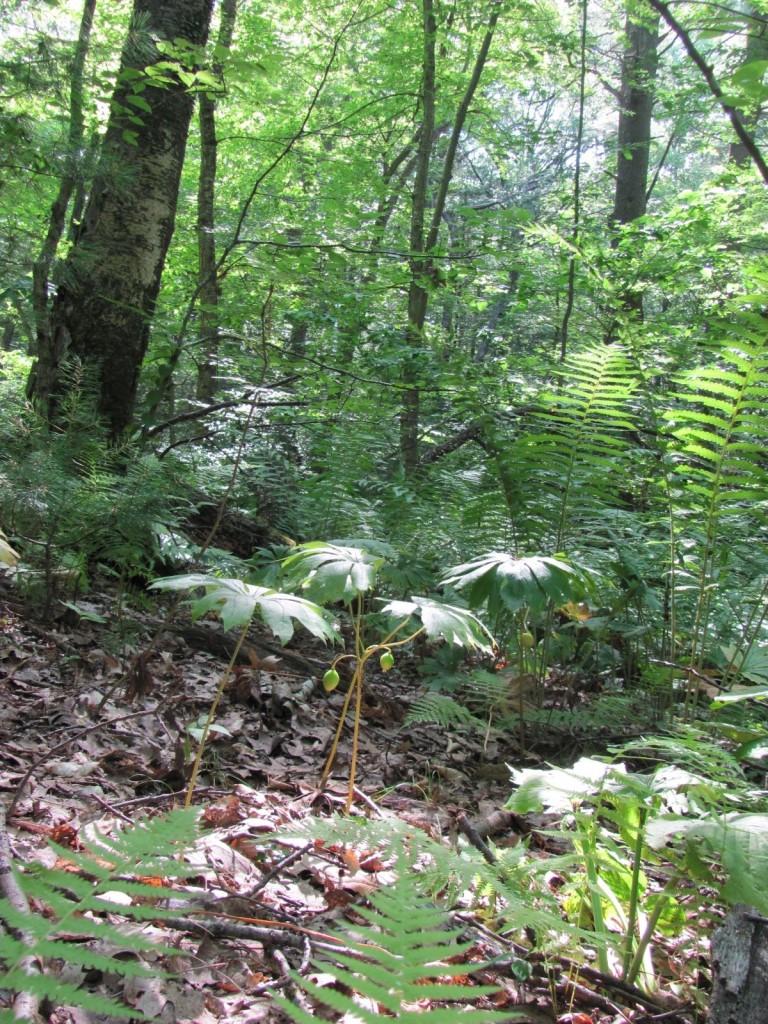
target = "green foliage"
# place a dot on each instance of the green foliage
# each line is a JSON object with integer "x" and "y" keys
{"x": 402, "y": 958}
{"x": 329, "y": 573}
{"x": 457, "y": 625}
{"x": 501, "y": 581}
{"x": 75, "y": 501}
{"x": 620, "y": 821}
{"x": 76, "y": 927}
{"x": 441, "y": 709}
{"x": 236, "y": 603}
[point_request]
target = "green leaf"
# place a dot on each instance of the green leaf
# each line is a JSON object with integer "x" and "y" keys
{"x": 457, "y": 625}
{"x": 499, "y": 580}
{"x": 140, "y": 102}
{"x": 558, "y": 789}
{"x": 329, "y": 572}
{"x": 236, "y": 602}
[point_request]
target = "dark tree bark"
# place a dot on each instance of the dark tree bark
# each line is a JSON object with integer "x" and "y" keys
{"x": 104, "y": 307}
{"x": 423, "y": 241}
{"x": 206, "y": 226}
{"x": 740, "y": 958}
{"x": 41, "y": 269}
{"x": 756, "y": 49}
{"x": 638, "y": 78}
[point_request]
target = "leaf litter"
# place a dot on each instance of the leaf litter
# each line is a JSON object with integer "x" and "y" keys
{"x": 77, "y": 756}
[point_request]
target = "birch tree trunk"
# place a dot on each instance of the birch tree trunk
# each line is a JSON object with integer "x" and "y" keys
{"x": 104, "y": 306}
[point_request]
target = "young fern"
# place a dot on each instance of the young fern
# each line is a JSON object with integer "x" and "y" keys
{"x": 721, "y": 434}
{"x": 77, "y": 904}
{"x": 442, "y": 710}
{"x": 571, "y": 459}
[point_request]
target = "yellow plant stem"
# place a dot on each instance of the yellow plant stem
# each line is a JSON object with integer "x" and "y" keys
{"x": 211, "y": 713}
{"x": 356, "y": 689}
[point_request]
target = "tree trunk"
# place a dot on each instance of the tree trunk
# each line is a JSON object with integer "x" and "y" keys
{"x": 740, "y": 958}
{"x": 638, "y": 77}
{"x": 423, "y": 272}
{"x": 756, "y": 49}
{"x": 104, "y": 307}
{"x": 417, "y": 289}
{"x": 206, "y": 224}
{"x": 72, "y": 165}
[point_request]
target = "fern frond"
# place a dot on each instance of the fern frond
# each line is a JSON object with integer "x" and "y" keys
{"x": 442, "y": 710}
{"x": 403, "y": 956}
{"x": 570, "y": 458}
{"x": 77, "y": 903}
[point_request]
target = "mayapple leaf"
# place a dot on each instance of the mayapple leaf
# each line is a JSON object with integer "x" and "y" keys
{"x": 7, "y": 555}
{"x": 330, "y": 572}
{"x": 558, "y": 790}
{"x": 236, "y": 602}
{"x": 499, "y": 580}
{"x": 457, "y": 625}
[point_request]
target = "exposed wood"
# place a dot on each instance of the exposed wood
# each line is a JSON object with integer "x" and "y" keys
{"x": 740, "y": 958}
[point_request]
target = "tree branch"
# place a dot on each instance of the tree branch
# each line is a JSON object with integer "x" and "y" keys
{"x": 714, "y": 87}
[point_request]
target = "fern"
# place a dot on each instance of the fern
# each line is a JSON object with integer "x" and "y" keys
{"x": 402, "y": 959}
{"x": 442, "y": 710}
{"x": 572, "y": 459}
{"x": 720, "y": 435}
{"x": 455, "y": 874}
{"x": 77, "y": 904}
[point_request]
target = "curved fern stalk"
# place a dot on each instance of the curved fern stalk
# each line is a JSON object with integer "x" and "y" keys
{"x": 722, "y": 435}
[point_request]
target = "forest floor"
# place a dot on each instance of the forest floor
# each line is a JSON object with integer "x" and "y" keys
{"x": 89, "y": 744}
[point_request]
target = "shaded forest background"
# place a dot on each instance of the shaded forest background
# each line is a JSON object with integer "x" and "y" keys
{"x": 312, "y": 305}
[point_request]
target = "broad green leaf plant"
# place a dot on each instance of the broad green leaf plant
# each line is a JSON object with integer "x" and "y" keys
{"x": 337, "y": 573}
{"x": 676, "y": 820}
{"x": 236, "y": 603}
{"x": 525, "y": 589}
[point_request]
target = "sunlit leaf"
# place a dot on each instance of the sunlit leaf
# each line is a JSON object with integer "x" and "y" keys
{"x": 457, "y": 625}
{"x": 236, "y": 602}
{"x": 330, "y": 572}
{"x": 499, "y": 580}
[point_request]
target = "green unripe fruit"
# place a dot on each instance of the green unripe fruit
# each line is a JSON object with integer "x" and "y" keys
{"x": 527, "y": 640}
{"x": 330, "y": 680}
{"x": 387, "y": 661}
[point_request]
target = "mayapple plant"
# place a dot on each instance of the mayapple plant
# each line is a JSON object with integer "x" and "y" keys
{"x": 335, "y": 573}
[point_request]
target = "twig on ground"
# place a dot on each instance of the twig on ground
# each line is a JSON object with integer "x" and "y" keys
{"x": 281, "y": 865}
{"x": 298, "y": 995}
{"x": 466, "y": 826}
{"x": 368, "y": 802}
